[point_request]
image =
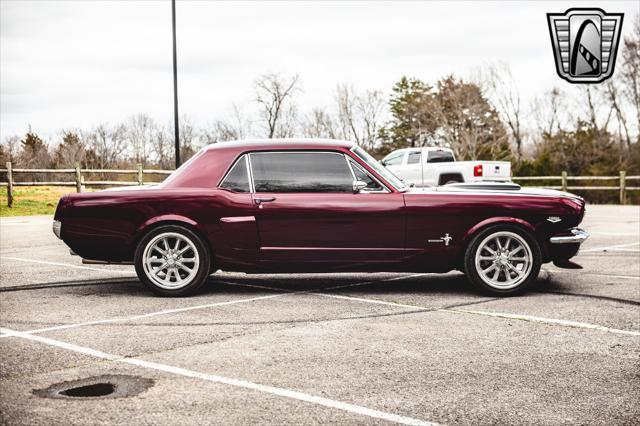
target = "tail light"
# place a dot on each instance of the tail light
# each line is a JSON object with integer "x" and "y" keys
{"x": 477, "y": 170}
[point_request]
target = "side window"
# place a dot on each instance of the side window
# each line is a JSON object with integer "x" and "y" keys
{"x": 394, "y": 159}
{"x": 237, "y": 179}
{"x": 361, "y": 175}
{"x": 414, "y": 157}
{"x": 301, "y": 172}
{"x": 440, "y": 157}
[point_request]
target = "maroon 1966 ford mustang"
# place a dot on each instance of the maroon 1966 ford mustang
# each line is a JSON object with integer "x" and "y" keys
{"x": 318, "y": 206}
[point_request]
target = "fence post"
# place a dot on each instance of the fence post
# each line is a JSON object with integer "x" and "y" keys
{"x": 140, "y": 177}
{"x": 564, "y": 180}
{"x": 623, "y": 187}
{"x": 78, "y": 178}
{"x": 9, "y": 185}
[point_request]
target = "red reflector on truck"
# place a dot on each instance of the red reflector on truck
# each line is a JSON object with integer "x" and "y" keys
{"x": 477, "y": 170}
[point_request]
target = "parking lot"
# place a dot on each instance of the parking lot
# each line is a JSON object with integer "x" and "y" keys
{"x": 335, "y": 348}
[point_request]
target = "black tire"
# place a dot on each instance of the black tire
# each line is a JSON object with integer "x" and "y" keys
{"x": 199, "y": 275}
{"x": 519, "y": 284}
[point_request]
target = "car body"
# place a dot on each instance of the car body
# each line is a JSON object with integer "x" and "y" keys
{"x": 311, "y": 206}
{"x": 433, "y": 166}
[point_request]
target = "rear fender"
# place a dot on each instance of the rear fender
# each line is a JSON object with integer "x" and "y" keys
{"x": 169, "y": 219}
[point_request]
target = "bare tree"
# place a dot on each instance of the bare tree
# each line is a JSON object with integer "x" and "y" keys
{"x": 141, "y": 130}
{"x": 630, "y": 72}
{"x": 163, "y": 148}
{"x": 319, "y": 124}
{"x": 189, "y": 143}
{"x": 11, "y": 148}
{"x": 614, "y": 98}
{"x": 359, "y": 116}
{"x": 547, "y": 111}
{"x": 70, "y": 150}
{"x": 274, "y": 93}
{"x": 108, "y": 143}
{"x": 505, "y": 97}
{"x": 235, "y": 128}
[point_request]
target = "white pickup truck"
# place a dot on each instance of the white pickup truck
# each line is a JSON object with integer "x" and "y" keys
{"x": 434, "y": 166}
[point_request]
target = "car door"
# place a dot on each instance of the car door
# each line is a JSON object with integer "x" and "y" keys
{"x": 307, "y": 212}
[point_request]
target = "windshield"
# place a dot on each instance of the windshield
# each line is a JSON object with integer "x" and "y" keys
{"x": 382, "y": 170}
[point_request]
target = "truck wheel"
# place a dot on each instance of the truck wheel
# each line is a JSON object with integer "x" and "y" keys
{"x": 502, "y": 260}
{"x": 172, "y": 260}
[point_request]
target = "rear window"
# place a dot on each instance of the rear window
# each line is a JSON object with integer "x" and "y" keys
{"x": 301, "y": 172}
{"x": 440, "y": 157}
{"x": 414, "y": 157}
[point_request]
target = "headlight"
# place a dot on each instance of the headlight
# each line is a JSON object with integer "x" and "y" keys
{"x": 57, "y": 227}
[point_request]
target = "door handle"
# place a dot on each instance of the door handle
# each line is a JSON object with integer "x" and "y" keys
{"x": 264, "y": 200}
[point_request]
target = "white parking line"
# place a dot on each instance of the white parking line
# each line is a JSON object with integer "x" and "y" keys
{"x": 286, "y": 393}
{"x": 623, "y": 234}
{"x": 624, "y": 277}
{"x": 197, "y": 307}
{"x": 565, "y": 323}
{"x": 554, "y": 321}
{"x": 607, "y": 248}
{"x": 67, "y": 265}
{"x": 148, "y": 315}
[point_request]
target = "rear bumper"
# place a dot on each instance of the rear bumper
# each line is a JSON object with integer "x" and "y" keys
{"x": 576, "y": 236}
{"x": 57, "y": 228}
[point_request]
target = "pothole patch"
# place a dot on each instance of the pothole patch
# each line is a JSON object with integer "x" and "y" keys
{"x": 98, "y": 387}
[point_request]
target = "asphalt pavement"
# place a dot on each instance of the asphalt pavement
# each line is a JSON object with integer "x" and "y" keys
{"x": 322, "y": 348}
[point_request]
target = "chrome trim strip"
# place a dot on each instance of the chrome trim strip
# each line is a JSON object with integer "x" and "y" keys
{"x": 252, "y": 188}
{"x": 333, "y": 248}
{"x": 578, "y": 236}
{"x": 237, "y": 219}
{"x": 104, "y": 262}
{"x": 292, "y": 151}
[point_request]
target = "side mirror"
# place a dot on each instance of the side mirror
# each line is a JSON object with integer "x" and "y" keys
{"x": 358, "y": 186}
{"x": 383, "y": 162}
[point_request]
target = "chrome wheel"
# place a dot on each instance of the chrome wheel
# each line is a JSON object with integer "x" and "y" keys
{"x": 171, "y": 260}
{"x": 503, "y": 260}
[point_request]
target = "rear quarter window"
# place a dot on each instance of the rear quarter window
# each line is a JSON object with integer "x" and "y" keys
{"x": 237, "y": 179}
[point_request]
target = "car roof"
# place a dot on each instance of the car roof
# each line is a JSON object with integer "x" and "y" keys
{"x": 294, "y": 143}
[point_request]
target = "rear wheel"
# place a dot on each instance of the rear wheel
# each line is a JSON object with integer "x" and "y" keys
{"x": 503, "y": 260}
{"x": 172, "y": 260}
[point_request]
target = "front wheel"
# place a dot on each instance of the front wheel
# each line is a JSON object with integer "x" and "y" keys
{"x": 503, "y": 260}
{"x": 172, "y": 260}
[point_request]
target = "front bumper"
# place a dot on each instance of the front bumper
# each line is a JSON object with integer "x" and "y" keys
{"x": 577, "y": 236}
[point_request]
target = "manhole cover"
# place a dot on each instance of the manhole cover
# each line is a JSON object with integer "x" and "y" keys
{"x": 107, "y": 386}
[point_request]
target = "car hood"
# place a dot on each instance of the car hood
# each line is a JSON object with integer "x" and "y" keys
{"x": 489, "y": 189}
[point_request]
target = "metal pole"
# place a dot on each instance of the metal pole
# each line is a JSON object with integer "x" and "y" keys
{"x": 175, "y": 85}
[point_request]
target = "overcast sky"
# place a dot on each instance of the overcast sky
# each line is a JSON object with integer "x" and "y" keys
{"x": 72, "y": 64}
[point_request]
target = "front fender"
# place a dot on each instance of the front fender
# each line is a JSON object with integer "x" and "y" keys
{"x": 498, "y": 220}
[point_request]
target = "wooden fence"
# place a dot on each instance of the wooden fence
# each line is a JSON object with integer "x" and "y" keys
{"x": 79, "y": 182}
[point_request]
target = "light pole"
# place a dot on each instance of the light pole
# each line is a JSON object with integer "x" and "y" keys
{"x": 175, "y": 86}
